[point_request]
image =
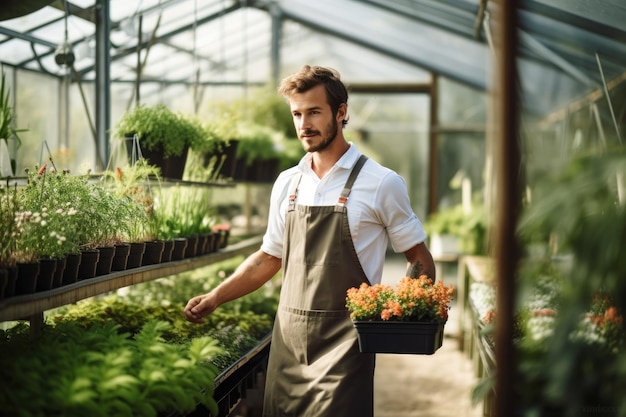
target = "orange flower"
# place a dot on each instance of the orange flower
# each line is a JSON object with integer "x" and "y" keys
{"x": 413, "y": 299}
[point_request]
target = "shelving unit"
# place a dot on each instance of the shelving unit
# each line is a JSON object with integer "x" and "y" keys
{"x": 472, "y": 340}
{"x": 31, "y": 306}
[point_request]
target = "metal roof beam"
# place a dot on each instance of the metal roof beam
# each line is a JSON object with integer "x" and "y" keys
{"x": 530, "y": 42}
{"x": 423, "y": 63}
{"x": 590, "y": 16}
{"x": 124, "y": 52}
{"x": 26, "y": 37}
{"x": 450, "y": 13}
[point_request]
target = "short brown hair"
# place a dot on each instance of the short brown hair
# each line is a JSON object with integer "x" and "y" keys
{"x": 312, "y": 76}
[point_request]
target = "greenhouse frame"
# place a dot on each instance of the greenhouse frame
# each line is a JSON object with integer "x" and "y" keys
{"x": 508, "y": 113}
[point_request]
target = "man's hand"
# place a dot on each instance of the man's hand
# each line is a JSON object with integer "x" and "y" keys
{"x": 253, "y": 272}
{"x": 199, "y": 307}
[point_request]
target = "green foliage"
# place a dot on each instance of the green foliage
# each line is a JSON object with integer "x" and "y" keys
{"x": 290, "y": 152}
{"x": 182, "y": 212}
{"x": 51, "y": 211}
{"x": 256, "y": 142}
{"x": 267, "y": 108}
{"x": 8, "y": 225}
{"x": 471, "y": 228}
{"x": 103, "y": 372}
{"x": 180, "y": 288}
{"x": 159, "y": 126}
{"x": 60, "y": 213}
{"x": 138, "y": 183}
{"x": 6, "y": 113}
{"x": 569, "y": 371}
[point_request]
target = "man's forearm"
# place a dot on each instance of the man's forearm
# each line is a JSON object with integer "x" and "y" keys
{"x": 251, "y": 274}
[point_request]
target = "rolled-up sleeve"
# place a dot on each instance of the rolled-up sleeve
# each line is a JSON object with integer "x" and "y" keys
{"x": 275, "y": 233}
{"x": 404, "y": 228}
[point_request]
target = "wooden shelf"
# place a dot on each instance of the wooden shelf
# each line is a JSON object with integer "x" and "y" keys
{"x": 24, "y": 307}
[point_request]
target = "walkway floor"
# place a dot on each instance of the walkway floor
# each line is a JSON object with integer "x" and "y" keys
{"x": 437, "y": 385}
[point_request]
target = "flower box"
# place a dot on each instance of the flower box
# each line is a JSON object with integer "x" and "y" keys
{"x": 412, "y": 337}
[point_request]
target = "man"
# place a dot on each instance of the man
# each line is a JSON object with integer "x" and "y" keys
{"x": 330, "y": 220}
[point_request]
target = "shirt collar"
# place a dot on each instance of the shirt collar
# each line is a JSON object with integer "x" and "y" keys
{"x": 346, "y": 161}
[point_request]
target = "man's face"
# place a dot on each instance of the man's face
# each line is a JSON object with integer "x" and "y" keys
{"x": 312, "y": 116}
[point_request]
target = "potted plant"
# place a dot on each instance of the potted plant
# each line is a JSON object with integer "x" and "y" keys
{"x": 406, "y": 319}
{"x": 163, "y": 136}
{"x": 184, "y": 213}
{"x": 445, "y": 229}
{"x": 257, "y": 155}
{"x": 214, "y": 157}
{"x": 8, "y": 237}
{"x": 7, "y": 131}
{"x": 456, "y": 230}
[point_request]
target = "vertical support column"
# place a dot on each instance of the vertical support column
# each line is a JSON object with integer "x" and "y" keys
{"x": 507, "y": 159}
{"x": 36, "y": 324}
{"x": 433, "y": 148}
{"x": 103, "y": 81}
{"x": 64, "y": 118}
{"x": 275, "y": 46}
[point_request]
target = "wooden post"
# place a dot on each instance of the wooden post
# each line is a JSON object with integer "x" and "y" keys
{"x": 507, "y": 158}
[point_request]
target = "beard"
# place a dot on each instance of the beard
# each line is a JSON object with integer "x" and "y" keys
{"x": 328, "y": 136}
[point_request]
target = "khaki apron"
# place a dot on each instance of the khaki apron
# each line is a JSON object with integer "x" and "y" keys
{"x": 315, "y": 368}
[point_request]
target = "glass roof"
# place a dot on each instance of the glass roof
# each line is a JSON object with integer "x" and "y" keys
{"x": 566, "y": 45}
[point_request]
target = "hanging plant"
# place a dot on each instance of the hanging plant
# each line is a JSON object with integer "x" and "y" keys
{"x": 6, "y": 113}
{"x": 159, "y": 127}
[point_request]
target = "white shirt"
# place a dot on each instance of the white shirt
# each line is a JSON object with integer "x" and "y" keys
{"x": 379, "y": 209}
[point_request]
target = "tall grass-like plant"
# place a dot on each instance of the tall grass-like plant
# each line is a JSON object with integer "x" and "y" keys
{"x": 136, "y": 183}
{"x": 7, "y": 117}
{"x": 8, "y": 225}
{"x": 183, "y": 212}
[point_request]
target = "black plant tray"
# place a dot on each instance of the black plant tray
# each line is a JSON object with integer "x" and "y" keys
{"x": 232, "y": 383}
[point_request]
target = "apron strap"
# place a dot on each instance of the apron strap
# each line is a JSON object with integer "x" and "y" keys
{"x": 293, "y": 192}
{"x": 343, "y": 198}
